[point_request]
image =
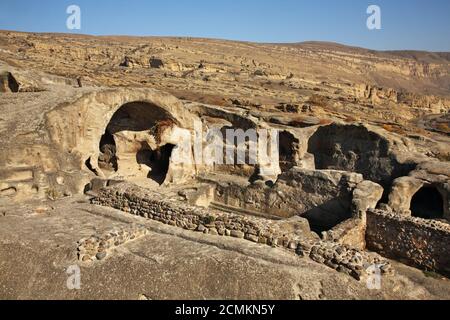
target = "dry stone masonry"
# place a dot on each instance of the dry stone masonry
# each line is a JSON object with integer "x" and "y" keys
{"x": 344, "y": 259}
{"x": 97, "y": 247}
{"x": 414, "y": 241}
{"x": 362, "y": 165}
{"x": 141, "y": 202}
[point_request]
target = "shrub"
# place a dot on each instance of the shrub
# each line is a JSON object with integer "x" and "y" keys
{"x": 209, "y": 220}
{"x": 444, "y": 127}
{"x": 318, "y": 100}
{"x": 394, "y": 129}
{"x": 324, "y": 122}
{"x": 350, "y": 119}
{"x": 53, "y": 194}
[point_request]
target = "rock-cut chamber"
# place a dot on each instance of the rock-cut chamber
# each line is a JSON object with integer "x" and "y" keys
{"x": 133, "y": 146}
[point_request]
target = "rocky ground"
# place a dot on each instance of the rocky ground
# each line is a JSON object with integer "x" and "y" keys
{"x": 390, "y": 89}
{"x": 291, "y": 85}
{"x": 406, "y": 93}
{"x": 169, "y": 263}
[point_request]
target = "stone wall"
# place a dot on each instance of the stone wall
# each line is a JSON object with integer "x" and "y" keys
{"x": 350, "y": 232}
{"x": 144, "y": 203}
{"x": 98, "y": 246}
{"x": 414, "y": 241}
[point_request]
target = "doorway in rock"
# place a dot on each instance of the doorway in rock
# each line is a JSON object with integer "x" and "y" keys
{"x": 107, "y": 159}
{"x": 157, "y": 160}
{"x": 288, "y": 145}
{"x": 428, "y": 203}
{"x": 130, "y": 141}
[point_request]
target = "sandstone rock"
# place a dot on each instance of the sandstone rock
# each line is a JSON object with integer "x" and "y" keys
{"x": 101, "y": 255}
{"x": 366, "y": 196}
{"x": 237, "y": 234}
{"x": 353, "y": 139}
{"x": 403, "y": 188}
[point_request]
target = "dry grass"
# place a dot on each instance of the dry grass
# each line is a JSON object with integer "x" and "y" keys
{"x": 298, "y": 122}
{"x": 443, "y": 156}
{"x": 443, "y": 127}
{"x": 421, "y": 131}
{"x": 394, "y": 129}
{"x": 350, "y": 119}
{"x": 301, "y": 122}
{"x": 324, "y": 122}
{"x": 53, "y": 194}
{"x": 318, "y": 100}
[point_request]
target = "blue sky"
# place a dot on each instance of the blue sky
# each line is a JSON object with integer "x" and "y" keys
{"x": 406, "y": 24}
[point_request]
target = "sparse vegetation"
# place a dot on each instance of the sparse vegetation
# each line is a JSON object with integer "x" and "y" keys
{"x": 350, "y": 119}
{"x": 209, "y": 220}
{"x": 431, "y": 274}
{"x": 394, "y": 129}
{"x": 443, "y": 127}
{"x": 53, "y": 194}
{"x": 324, "y": 122}
{"x": 318, "y": 100}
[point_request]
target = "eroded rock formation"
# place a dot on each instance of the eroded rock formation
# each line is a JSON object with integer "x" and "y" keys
{"x": 359, "y": 165}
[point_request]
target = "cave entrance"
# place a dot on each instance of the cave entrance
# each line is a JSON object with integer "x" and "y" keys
{"x": 288, "y": 145}
{"x": 428, "y": 203}
{"x": 107, "y": 159}
{"x": 133, "y": 146}
{"x": 157, "y": 160}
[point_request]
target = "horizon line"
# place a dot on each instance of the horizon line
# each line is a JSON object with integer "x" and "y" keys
{"x": 348, "y": 45}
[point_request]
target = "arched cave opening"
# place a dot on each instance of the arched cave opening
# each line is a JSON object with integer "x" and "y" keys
{"x": 107, "y": 159}
{"x": 125, "y": 145}
{"x": 428, "y": 203}
{"x": 138, "y": 117}
{"x": 157, "y": 160}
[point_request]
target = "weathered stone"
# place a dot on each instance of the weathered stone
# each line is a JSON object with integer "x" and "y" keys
{"x": 237, "y": 234}
{"x": 395, "y": 236}
{"x": 366, "y": 196}
{"x": 331, "y": 169}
